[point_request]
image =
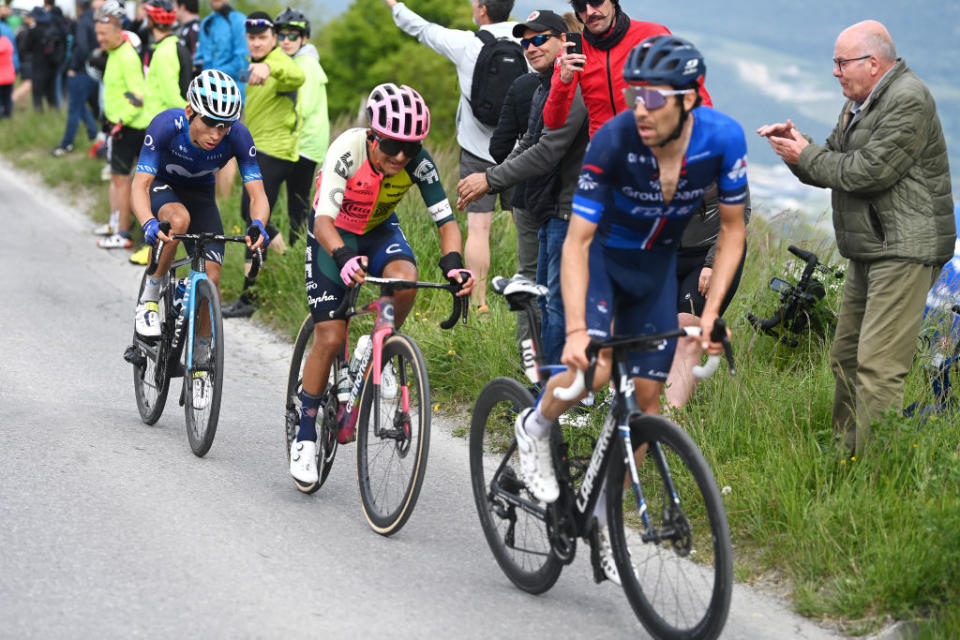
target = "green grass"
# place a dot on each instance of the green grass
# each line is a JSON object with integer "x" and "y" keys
{"x": 857, "y": 541}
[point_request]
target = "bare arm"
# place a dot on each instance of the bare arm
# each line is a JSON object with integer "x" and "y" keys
{"x": 259, "y": 207}
{"x": 574, "y": 277}
{"x": 730, "y": 245}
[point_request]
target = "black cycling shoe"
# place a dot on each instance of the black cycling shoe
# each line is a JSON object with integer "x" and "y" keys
{"x": 239, "y": 309}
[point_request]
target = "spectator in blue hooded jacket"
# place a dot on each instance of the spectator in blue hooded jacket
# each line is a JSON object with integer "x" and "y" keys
{"x": 80, "y": 86}
{"x": 222, "y": 45}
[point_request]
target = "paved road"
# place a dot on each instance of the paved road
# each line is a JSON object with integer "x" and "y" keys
{"x": 110, "y": 528}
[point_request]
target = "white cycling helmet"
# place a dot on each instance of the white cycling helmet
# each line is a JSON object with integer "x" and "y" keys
{"x": 215, "y": 95}
{"x": 398, "y": 112}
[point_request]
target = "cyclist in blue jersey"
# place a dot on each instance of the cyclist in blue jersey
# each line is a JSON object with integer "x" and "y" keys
{"x": 174, "y": 182}
{"x": 643, "y": 176}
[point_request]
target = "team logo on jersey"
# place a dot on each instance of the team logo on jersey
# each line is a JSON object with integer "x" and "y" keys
{"x": 393, "y": 248}
{"x": 177, "y": 170}
{"x": 633, "y": 158}
{"x": 160, "y": 187}
{"x": 252, "y": 151}
{"x": 586, "y": 182}
{"x": 426, "y": 172}
{"x": 342, "y": 167}
{"x": 179, "y": 123}
{"x": 336, "y": 197}
{"x": 602, "y": 307}
{"x": 739, "y": 169}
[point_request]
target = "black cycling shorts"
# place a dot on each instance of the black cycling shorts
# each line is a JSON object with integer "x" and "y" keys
{"x": 690, "y": 263}
{"x": 382, "y": 245}
{"x": 201, "y": 204}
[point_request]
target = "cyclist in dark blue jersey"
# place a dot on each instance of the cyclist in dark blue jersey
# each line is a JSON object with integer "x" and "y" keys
{"x": 643, "y": 176}
{"x": 174, "y": 182}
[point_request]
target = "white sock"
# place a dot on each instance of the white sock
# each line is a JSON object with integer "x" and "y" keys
{"x": 537, "y": 425}
{"x": 151, "y": 290}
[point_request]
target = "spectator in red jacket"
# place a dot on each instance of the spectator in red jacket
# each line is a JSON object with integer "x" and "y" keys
{"x": 608, "y": 36}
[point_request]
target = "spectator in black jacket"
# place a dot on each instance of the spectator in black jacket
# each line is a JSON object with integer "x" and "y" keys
{"x": 60, "y": 33}
{"x": 514, "y": 117}
{"x": 80, "y": 85}
{"x": 548, "y": 162}
{"x": 189, "y": 21}
{"x": 41, "y": 48}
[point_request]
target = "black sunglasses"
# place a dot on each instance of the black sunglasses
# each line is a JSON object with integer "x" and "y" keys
{"x": 214, "y": 124}
{"x": 537, "y": 40}
{"x": 393, "y": 147}
{"x": 289, "y": 35}
{"x": 580, "y": 6}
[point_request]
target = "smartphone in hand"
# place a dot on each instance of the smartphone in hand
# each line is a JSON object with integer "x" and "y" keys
{"x": 243, "y": 75}
{"x": 577, "y": 39}
{"x": 133, "y": 99}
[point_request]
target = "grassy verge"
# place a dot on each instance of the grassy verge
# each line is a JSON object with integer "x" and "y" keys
{"x": 855, "y": 541}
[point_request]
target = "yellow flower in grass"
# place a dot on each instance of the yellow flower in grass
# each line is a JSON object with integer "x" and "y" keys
{"x": 436, "y": 407}
{"x": 451, "y": 352}
{"x": 236, "y": 229}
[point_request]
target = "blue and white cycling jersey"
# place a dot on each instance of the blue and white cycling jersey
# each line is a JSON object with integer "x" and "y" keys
{"x": 170, "y": 155}
{"x": 619, "y": 186}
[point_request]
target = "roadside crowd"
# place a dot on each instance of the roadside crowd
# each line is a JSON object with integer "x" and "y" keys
{"x": 522, "y": 135}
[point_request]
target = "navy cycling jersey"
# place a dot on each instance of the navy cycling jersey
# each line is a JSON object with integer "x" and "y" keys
{"x": 170, "y": 155}
{"x": 619, "y": 186}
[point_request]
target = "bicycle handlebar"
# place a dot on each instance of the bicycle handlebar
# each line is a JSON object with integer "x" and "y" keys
{"x": 203, "y": 237}
{"x": 584, "y": 379}
{"x": 389, "y": 285}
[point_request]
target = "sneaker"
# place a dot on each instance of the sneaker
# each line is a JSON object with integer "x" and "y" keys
{"x": 388, "y": 383}
{"x": 607, "y": 563}
{"x": 116, "y": 241}
{"x": 483, "y": 309}
{"x": 141, "y": 255}
{"x": 239, "y": 309}
{"x": 61, "y": 151}
{"x": 303, "y": 464}
{"x": 103, "y": 230}
{"x": 148, "y": 320}
{"x": 201, "y": 390}
{"x": 536, "y": 462}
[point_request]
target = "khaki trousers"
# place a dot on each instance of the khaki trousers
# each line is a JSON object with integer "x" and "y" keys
{"x": 876, "y": 338}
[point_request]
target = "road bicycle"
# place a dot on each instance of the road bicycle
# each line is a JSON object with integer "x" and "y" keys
{"x": 668, "y": 527}
{"x": 188, "y": 307}
{"x": 798, "y": 310}
{"x": 942, "y": 363}
{"x": 392, "y": 424}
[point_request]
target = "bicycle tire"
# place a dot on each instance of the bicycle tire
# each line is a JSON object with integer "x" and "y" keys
{"x": 326, "y": 416}
{"x": 150, "y": 385}
{"x": 391, "y": 463}
{"x": 680, "y": 582}
{"x": 202, "y": 421}
{"x": 531, "y": 565}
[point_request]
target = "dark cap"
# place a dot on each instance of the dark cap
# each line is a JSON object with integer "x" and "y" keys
{"x": 543, "y": 20}
{"x": 38, "y": 14}
{"x": 258, "y": 22}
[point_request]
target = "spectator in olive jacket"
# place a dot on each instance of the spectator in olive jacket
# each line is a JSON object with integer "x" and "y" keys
{"x": 886, "y": 163}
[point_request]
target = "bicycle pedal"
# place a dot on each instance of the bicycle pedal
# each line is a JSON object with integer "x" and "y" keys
{"x": 135, "y": 357}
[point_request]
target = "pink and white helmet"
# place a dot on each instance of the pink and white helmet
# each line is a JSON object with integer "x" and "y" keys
{"x": 398, "y": 112}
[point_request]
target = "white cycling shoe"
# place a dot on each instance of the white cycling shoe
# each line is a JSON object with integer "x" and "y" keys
{"x": 536, "y": 462}
{"x": 148, "y": 320}
{"x": 607, "y": 563}
{"x": 201, "y": 390}
{"x": 388, "y": 382}
{"x": 303, "y": 463}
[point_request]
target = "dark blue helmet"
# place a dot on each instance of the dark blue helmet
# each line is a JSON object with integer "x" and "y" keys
{"x": 664, "y": 60}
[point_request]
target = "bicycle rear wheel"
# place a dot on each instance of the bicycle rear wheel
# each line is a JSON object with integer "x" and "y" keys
{"x": 512, "y": 520}
{"x": 203, "y": 382}
{"x": 392, "y": 452}
{"x": 326, "y": 416}
{"x": 151, "y": 372}
{"x": 678, "y": 574}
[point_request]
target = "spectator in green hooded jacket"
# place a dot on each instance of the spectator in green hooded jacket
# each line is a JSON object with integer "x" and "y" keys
{"x": 273, "y": 118}
{"x": 293, "y": 30}
{"x": 169, "y": 66}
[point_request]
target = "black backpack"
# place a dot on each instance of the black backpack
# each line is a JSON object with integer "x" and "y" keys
{"x": 500, "y": 62}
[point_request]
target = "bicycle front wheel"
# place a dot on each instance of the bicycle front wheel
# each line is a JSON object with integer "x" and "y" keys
{"x": 393, "y": 436}
{"x": 512, "y": 520}
{"x": 326, "y": 416}
{"x": 203, "y": 381}
{"x": 674, "y": 559}
{"x": 151, "y": 372}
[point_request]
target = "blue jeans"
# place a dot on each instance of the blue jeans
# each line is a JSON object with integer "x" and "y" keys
{"x": 553, "y": 328}
{"x": 80, "y": 87}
